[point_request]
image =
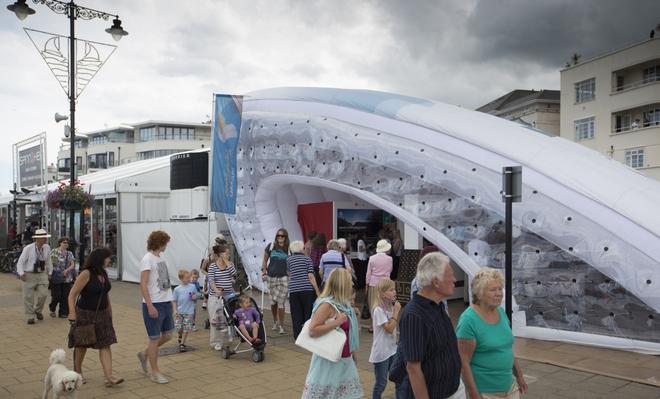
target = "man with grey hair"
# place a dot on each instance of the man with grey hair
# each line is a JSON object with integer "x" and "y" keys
{"x": 332, "y": 260}
{"x": 427, "y": 344}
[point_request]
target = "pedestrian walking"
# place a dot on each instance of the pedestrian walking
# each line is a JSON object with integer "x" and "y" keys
{"x": 378, "y": 268}
{"x": 274, "y": 273}
{"x": 221, "y": 278}
{"x": 485, "y": 342}
{"x": 61, "y": 280}
{"x": 89, "y": 303}
{"x": 157, "y": 311}
{"x": 302, "y": 286}
{"x": 385, "y": 316}
{"x": 34, "y": 268}
{"x": 428, "y": 349}
{"x": 333, "y": 309}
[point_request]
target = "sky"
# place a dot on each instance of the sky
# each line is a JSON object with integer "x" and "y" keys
{"x": 178, "y": 53}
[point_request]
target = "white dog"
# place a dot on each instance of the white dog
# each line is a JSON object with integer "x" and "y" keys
{"x": 64, "y": 382}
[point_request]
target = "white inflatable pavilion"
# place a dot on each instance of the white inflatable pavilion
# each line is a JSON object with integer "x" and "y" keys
{"x": 586, "y": 260}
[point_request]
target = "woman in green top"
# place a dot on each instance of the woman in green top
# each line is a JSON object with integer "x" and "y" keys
{"x": 485, "y": 342}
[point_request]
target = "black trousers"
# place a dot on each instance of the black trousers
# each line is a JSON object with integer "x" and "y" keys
{"x": 301, "y": 304}
{"x": 60, "y": 295}
{"x": 394, "y": 274}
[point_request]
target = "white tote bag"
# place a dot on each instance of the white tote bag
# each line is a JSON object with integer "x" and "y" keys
{"x": 329, "y": 345}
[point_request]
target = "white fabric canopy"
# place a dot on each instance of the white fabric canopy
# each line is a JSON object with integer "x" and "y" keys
{"x": 589, "y": 248}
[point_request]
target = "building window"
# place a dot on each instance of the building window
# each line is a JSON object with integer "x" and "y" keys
{"x": 623, "y": 123}
{"x": 95, "y": 140}
{"x": 585, "y": 90}
{"x": 167, "y": 133}
{"x": 97, "y": 161}
{"x": 651, "y": 117}
{"x": 635, "y": 158}
{"x": 157, "y": 154}
{"x": 651, "y": 74}
{"x": 584, "y": 129}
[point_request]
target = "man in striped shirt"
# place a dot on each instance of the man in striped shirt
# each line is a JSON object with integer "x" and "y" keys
{"x": 427, "y": 341}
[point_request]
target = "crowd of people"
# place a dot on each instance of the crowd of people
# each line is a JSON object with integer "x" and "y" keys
{"x": 415, "y": 346}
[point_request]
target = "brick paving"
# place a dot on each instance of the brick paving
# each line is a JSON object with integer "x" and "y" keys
{"x": 204, "y": 373}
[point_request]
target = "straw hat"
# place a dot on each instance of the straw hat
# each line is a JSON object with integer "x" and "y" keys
{"x": 41, "y": 233}
{"x": 383, "y": 246}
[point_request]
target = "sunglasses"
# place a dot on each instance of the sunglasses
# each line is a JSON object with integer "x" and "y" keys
{"x": 281, "y": 235}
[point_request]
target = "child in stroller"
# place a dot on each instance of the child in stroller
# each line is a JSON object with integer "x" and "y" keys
{"x": 246, "y": 319}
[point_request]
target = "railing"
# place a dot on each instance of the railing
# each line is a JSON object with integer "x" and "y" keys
{"x": 92, "y": 144}
{"x": 649, "y": 80}
{"x": 633, "y": 126}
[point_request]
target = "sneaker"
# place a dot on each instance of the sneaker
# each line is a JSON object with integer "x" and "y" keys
{"x": 218, "y": 347}
{"x": 159, "y": 378}
{"x": 274, "y": 326}
{"x": 40, "y": 316}
{"x": 195, "y": 329}
{"x": 203, "y": 305}
{"x": 143, "y": 362}
{"x": 182, "y": 348}
{"x": 282, "y": 330}
{"x": 53, "y": 314}
{"x": 30, "y": 321}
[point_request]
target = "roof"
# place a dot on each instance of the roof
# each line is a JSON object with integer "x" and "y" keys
{"x": 104, "y": 181}
{"x": 607, "y": 54}
{"x": 519, "y": 97}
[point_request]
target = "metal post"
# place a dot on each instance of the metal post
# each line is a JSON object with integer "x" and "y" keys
{"x": 508, "y": 217}
{"x": 72, "y": 109}
{"x": 511, "y": 192}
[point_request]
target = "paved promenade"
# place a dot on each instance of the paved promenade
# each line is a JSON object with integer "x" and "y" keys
{"x": 202, "y": 373}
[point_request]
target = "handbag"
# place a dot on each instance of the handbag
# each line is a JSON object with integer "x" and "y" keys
{"x": 84, "y": 336}
{"x": 329, "y": 345}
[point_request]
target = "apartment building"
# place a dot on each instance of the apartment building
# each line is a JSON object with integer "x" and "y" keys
{"x": 611, "y": 103}
{"x": 537, "y": 109}
{"x": 118, "y": 145}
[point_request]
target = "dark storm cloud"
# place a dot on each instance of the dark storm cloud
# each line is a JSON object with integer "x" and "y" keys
{"x": 548, "y": 32}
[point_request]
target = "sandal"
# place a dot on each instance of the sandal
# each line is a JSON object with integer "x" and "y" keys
{"x": 109, "y": 383}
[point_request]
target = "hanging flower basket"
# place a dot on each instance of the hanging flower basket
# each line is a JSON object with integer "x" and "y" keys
{"x": 69, "y": 197}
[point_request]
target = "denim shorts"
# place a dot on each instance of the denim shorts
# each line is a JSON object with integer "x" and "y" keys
{"x": 164, "y": 323}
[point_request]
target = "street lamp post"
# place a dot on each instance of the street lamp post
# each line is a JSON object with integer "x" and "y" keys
{"x": 73, "y": 12}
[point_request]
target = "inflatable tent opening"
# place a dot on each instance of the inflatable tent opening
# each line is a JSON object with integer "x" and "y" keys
{"x": 586, "y": 258}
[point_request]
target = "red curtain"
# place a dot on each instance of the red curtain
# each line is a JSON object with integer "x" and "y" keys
{"x": 316, "y": 217}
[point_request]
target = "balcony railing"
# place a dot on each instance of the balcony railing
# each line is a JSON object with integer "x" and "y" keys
{"x": 633, "y": 126}
{"x": 649, "y": 80}
{"x": 127, "y": 141}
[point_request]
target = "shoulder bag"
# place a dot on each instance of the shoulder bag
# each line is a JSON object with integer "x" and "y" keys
{"x": 329, "y": 345}
{"x": 85, "y": 336}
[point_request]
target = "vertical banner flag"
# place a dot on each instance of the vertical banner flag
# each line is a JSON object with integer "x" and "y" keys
{"x": 226, "y": 131}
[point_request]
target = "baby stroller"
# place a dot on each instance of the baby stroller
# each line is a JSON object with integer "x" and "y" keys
{"x": 257, "y": 349}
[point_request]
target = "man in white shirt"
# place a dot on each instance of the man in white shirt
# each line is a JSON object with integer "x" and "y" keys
{"x": 157, "y": 308}
{"x": 34, "y": 268}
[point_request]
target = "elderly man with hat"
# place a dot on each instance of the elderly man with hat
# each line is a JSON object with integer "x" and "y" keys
{"x": 34, "y": 267}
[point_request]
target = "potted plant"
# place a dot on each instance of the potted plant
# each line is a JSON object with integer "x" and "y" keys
{"x": 70, "y": 197}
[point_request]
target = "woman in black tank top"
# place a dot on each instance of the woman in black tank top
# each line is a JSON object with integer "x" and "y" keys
{"x": 90, "y": 293}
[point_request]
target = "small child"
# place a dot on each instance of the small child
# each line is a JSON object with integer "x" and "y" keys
{"x": 184, "y": 307}
{"x": 194, "y": 280}
{"x": 248, "y": 317}
{"x": 385, "y": 316}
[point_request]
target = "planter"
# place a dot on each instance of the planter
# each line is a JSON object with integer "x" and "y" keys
{"x": 70, "y": 205}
